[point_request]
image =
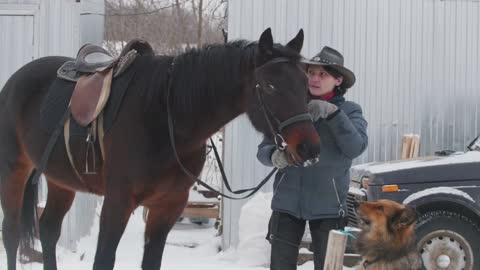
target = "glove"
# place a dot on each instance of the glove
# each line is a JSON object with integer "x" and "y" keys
{"x": 279, "y": 159}
{"x": 320, "y": 109}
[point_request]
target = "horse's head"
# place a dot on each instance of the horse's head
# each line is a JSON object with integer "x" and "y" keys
{"x": 278, "y": 107}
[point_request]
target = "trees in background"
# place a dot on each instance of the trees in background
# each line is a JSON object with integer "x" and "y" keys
{"x": 170, "y": 26}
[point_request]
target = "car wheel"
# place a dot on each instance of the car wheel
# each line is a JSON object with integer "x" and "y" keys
{"x": 448, "y": 240}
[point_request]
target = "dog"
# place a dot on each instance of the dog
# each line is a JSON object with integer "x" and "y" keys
{"x": 387, "y": 237}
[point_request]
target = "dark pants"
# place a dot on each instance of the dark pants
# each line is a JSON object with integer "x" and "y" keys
{"x": 285, "y": 234}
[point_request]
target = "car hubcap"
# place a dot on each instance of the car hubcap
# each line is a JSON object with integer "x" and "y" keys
{"x": 447, "y": 250}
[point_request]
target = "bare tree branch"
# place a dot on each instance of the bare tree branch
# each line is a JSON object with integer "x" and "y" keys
{"x": 169, "y": 30}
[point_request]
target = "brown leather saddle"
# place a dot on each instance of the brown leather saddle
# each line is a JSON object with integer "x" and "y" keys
{"x": 93, "y": 71}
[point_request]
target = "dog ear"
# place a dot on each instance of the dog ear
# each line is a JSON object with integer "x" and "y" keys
{"x": 404, "y": 218}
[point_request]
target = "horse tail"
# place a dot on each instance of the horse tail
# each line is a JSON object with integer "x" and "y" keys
{"x": 29, "y": 216}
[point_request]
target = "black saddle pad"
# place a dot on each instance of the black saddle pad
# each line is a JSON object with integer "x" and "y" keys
{"x": 56, "y": 102}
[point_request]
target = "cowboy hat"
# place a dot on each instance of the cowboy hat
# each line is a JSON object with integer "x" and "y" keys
{"x": 332, "y": 58}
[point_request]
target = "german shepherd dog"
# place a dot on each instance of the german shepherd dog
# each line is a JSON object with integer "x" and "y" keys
{"x": 387, "y": 237}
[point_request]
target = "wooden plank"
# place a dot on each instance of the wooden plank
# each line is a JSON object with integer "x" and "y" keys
{"x": 416, "y": 146}
{"x": 405, "y": 147}
{"x": 200, "y": 212}
{"x": 196, "y": 210}
{"x": 337, "y": 242}
{"x": 202, "y": 204}
{"x": 412, "y": 146}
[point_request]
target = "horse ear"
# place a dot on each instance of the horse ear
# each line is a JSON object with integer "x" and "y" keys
{"x": 266, "y": 42}
{"x": 297, "y": 42}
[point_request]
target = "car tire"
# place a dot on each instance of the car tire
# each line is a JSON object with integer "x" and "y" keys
{"x": 448, "y": 240}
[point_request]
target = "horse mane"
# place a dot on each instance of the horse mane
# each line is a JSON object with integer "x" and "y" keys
{"x": 200, "y": 76}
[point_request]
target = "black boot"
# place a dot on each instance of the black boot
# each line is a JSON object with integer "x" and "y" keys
{"x": 285, "y": 235}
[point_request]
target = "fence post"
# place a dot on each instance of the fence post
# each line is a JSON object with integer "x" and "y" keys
{"x": 337, "y": 242}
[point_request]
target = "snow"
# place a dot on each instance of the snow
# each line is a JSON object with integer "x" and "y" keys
{"x": 471, "y": 156}
{"x": 189, "y": 246}
{"x": 253, "y": 248}
{"x": 437, "y": 190}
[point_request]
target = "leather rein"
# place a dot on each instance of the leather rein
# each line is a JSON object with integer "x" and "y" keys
{"x": 280, "y": 142}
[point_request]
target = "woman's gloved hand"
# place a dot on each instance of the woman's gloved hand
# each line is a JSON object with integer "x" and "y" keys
{"x": 320, "y": 109}
{"x": 279, "y": 159}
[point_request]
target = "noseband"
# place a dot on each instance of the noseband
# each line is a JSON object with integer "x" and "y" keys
{"x": 277, "y": 136}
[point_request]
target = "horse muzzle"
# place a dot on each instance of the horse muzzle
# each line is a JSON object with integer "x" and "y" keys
{"x": 309, "y": 153}
{"x": 303, "y": 143}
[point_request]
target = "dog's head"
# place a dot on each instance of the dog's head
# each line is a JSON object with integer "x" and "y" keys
{"x": 387, "y": 229}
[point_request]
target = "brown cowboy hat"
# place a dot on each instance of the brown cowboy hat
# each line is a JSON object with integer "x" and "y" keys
{"x": 332, "y": 58}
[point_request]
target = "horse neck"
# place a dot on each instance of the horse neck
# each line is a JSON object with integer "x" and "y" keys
{"x": 204, "y": 121}
{"x": 219, "y": 95}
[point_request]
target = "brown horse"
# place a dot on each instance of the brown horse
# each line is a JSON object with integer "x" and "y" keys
{"x": 207, "y": 88}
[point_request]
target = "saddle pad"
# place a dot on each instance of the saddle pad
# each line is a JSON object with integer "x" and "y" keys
{"x": 56, "y": 101}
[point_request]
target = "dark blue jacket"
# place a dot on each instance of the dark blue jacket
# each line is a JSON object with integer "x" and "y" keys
{"x": 320, "y": 191}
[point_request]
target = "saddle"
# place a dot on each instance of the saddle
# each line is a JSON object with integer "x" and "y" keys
{"x": 93, "y": 71}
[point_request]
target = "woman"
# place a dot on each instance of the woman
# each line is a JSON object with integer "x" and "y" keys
{"x": 318, "y": 193}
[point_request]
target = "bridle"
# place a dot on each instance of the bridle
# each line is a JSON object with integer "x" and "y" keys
{"x": 277, "y": 136}
{"x": 280, "y": 142}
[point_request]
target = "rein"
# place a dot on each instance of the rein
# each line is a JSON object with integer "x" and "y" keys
{"x": 280, "y": 142}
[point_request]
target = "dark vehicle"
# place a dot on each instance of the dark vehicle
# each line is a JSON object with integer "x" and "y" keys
{"x": 444, "y": 189}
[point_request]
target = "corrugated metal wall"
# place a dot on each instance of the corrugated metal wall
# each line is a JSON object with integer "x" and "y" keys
{"x": 16, "y": 34}
{"x": 55, "y": 28}
{"x": 92, "y": 21}
{"x": 417, "y": 64}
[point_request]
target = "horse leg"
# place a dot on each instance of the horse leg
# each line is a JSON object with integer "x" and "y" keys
{"x": 116, "y": 210}
{"x": 12, "y": 189}
{"x": 161, "y": 218}
{"x": 59, "y": 201}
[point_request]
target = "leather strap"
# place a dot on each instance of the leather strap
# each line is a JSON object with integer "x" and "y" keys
{"x": 49, "y": 147}
{"x": 66, "y": 136}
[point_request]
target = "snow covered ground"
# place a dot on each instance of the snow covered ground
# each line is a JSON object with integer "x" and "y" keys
{"x": 189, "y": 246}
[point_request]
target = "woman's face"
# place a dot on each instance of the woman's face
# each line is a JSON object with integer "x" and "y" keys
{"x": 320, "y": 82}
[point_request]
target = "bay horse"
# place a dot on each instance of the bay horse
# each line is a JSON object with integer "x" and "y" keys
{"x": 206, "y": 88}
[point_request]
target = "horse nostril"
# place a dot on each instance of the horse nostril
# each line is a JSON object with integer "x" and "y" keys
{"x": 302, "y": 150}
{"x": 308, "y": 151}
{"x": 315, "y": 150}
